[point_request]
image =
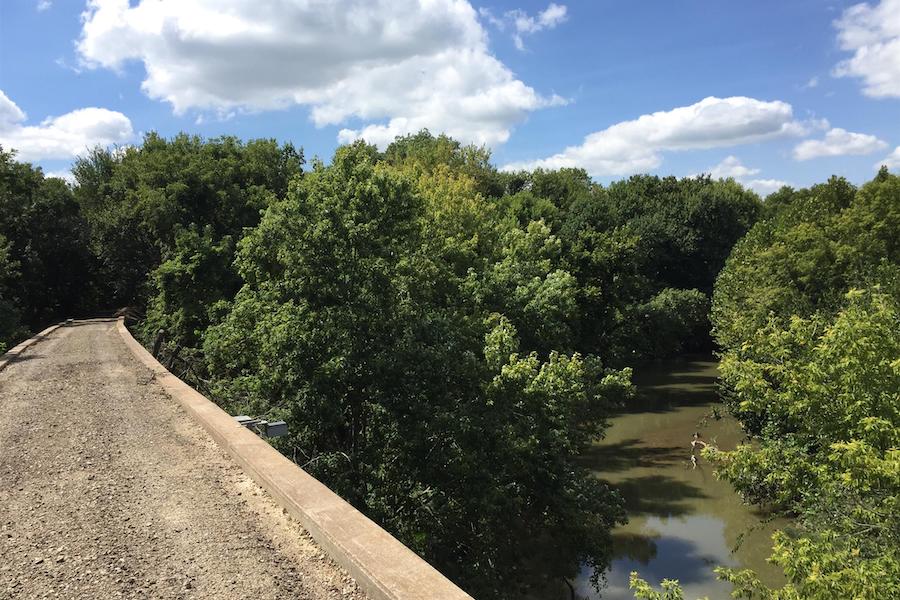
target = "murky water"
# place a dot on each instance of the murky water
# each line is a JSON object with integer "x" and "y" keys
{"x": 683, "y": 521}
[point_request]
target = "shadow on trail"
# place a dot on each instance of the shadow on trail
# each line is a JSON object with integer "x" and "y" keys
{"x": 18, "y": 358}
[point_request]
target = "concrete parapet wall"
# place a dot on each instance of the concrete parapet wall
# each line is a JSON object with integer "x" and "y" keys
{"x": 381, "y": 565}
{"x": 13, "y": 353}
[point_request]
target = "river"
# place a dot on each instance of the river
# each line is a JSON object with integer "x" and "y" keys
{"x": 682, "y": 520}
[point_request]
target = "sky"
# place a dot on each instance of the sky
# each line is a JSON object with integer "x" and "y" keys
{"x": 771, "y": 92}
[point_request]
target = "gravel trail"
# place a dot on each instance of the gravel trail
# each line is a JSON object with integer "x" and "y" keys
{"x": 108, "y": 490}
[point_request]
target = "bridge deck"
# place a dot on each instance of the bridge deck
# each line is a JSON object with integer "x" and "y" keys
{"x": 108, "y": 489}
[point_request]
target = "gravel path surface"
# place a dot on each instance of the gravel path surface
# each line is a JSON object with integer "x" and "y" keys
{"x": 108, "y": 489}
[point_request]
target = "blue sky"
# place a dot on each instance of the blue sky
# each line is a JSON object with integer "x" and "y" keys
{"x": 768, "y": 92}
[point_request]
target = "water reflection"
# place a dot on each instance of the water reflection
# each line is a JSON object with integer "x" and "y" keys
{"x": 683, "y": 521}
{"x": 658, "y": 495}
{"x": 639, "y": 548}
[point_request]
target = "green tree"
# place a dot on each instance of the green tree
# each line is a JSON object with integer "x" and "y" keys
{"x": 11, "y": 329}
{"x": 805, "y": 257}
{"x": 363, "y": 323}
{"x": 630, "y": 242}
{"x": 425, "y": 151}
{"x": 807, "y": 313}
{"x": 546, "y": 195}
{"x": 671, "y": 590}
{"x": 49, "y": 269}
{"x": 671, "y": 322}
{"x": 197, "y": 275}
{"x": 686, "y": 227}
{"x": 138, "y": 200}
{"x": 826, "y": 394}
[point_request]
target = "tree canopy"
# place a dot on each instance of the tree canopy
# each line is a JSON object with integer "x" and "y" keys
{"x": 47, "y": 271}
{"x": 374, "y": 318}
{"x": 446, "y": 340}
{"x": 807, "y": 312}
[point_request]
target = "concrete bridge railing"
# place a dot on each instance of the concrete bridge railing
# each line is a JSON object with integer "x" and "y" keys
{"x": 380, "y": 564}
{"x": 13, "y": 353}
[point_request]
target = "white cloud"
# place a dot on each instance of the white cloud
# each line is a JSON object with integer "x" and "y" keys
{"x": 891, "y": 161}
{"x": 731, "y": 167}
{"x": 872, "y": 33}
{"x": 764, "y": 187}
{"x": 548, "y": 18}
{"x": 10, "y": 114}
{"x": 522, "y": 23}
{"x": 62, "y": 137}
{"x": 488, "y": 15}
{"x": 812, "y": 83}
{"x": 635, "y": 146}
{"x": 838, "y": 142}
{"x": 65, "y": 175}
{"x": 43, "y": 5}
{"x": 382, "y": 67}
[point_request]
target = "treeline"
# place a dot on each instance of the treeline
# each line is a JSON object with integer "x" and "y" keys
{"x": 640, "y": 250}
{"x": 807, "y": 313}
{"x": 70, "y": 251}
{"x": 444, "y": 339}
{"x": 46, "y": 266}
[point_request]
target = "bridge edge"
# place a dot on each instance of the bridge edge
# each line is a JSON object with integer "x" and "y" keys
{"x": 18, "y": 349}
{"x": 384, "y": 567}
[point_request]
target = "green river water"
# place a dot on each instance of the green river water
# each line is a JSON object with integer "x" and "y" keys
{"x": 682, "y": 520}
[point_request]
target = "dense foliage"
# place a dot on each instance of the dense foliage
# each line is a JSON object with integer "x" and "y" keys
{"x": 46, "y": 267}
{"x": 444, "y": 339}
{"x": 374, "y": 318}
{"x": 646, "y": 252}
{"x": 807, "y": 311}
{"x": 164, "y": 218}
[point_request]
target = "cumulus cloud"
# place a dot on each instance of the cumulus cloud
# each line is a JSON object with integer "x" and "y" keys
{"x": 635, "y": 146}
{"x": 522, "y": 23}
{"x": 838, "y": 142}
{"x": 764, "y": 187}
{"x": 65, "y": 175}
{"x": 62, "y": 137}
{"x": 891, "y": 161}
{"x": 731, "y": 167}
{"x": 43, "y": 5}
{"x": 10, "y": 114}
{"x": 382, "y": 67}
{"x": 872, "y": 34}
